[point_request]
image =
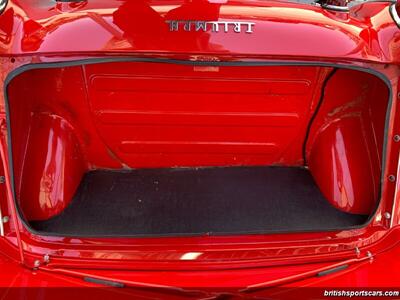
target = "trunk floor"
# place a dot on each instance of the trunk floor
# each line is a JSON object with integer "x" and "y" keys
{"x": 229, "y": 200}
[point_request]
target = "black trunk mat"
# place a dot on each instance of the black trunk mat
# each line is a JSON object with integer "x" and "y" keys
{"x": 229, "y": 200}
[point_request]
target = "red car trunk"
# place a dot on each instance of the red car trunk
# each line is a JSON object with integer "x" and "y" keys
{"x": 230, "y": 148}
{"x": 130, "y": 148}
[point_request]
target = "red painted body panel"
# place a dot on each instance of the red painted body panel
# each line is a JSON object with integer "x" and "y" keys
{"x": 235, "y": 116}
{"x": 367, "y": 32}
{"x": 33, "y": 32}
{"x": 362, "y": 273}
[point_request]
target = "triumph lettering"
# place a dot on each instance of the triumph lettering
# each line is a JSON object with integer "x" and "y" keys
{"x": 213, "y": 26}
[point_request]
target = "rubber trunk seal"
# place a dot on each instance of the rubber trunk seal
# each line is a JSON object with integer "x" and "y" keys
{"x": 90, "y": 61}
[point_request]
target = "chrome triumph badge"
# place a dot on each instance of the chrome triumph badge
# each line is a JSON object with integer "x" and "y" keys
{"x": 214, "y": 26}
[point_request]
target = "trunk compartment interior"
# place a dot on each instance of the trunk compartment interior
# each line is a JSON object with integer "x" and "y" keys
{"x": 154, "y": 149}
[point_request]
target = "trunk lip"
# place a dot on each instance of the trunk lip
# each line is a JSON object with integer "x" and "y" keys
{"x": 253, "y": 63}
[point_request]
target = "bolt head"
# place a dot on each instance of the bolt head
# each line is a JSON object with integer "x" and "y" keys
{"x": 46, "y": 258}
{"x": 387, "y": 215}
{"x": 6, "y": 219}
{"x": 36, "y": 263}
{"x": 392, "y": 178}
{"x": 396, "y": 138}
